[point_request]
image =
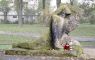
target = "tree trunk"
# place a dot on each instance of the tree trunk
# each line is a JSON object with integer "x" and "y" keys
{"x": 58, "y": 3}
{"x": 44, "y": 4}
{"x": 44, "y": 10}
{"x": 71, "y": 2}
{"x": 5, "y": 17}
{"x": 20, "y": 22}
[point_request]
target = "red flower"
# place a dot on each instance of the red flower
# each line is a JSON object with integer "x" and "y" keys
{"x": 66, "y": 46}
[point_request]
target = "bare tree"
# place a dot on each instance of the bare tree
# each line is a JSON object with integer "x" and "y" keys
{"x": 58, "y": 3}
{"x": 44, "y": 4}
{"x": 44, "y": 1}
{"x": 4, "y": 8}
{"x": 73, "y": 2}
{"x": 18, "y": 7}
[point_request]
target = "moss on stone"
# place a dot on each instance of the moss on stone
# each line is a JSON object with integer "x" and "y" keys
{"x": 78, "y": 50}
{"x": 56, "y": 18}
{"x": 67, "y": 8}
{"x": 42, "y": 43}
{"x": 43, "y": 52}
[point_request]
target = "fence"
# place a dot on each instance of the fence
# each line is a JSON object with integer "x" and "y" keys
{"x": 26, "y": 18}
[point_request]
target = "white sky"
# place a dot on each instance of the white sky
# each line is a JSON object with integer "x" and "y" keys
{"x": 53, "y": 3}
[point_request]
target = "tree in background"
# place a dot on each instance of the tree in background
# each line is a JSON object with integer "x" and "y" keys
{"x": 43, "y": 9}
{"x": 40, "y": 10}
{"x": 89, "y": 12}
{"x": 58, "y": 3}
{"x": 47, "y": 12}
{"x": 73, "y": 2}
{"x": 4, "y": 8}
{"x": 92, "y": 14}
{"x": 19, "y": 8}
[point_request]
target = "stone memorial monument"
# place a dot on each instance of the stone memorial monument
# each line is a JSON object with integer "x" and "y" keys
{"x": 62, "y": 22}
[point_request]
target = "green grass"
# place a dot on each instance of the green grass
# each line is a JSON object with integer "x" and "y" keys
{"x": 36, "y": 28}
{"x": 6, "y": 41}
{"x": 88, "y": 43}
{"x": 85, "y": 30}
{"x": 13, "y": 39}
{"x": 5, "y": 46}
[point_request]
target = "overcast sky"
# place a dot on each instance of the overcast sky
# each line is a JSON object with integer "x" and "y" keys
{"x": 53, "y": 3}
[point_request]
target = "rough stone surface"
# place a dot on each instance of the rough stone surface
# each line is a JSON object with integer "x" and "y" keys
{"x": 63, "y": 21}
{"x": 39, "y": 58}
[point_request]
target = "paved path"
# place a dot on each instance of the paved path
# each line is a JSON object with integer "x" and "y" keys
{"x": 90, "y": 52}
{"x": 37, "y": 35}
{"x": 85, "y": 38}
{"x": 36, "y": 58}
{"x": 25, "y": 34}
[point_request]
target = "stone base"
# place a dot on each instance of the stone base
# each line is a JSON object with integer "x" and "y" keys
{"x": 41, "y": 58}
{"x": 38, "y": 58}
{"x": 44, "y": 55}
{"x": 58, "y": 53}
{"x": 75, "y": 46}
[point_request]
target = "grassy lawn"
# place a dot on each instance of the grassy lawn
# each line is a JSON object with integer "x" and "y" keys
{"x": 36, "y": 28}
{"x": 13, "y": 39}
{"x": 6, "y": 41}
{"x": 5, "y": 46}
{"x": 88, "y": 43}
{"x": 85, "y": 30}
